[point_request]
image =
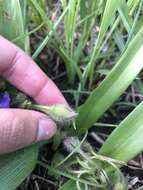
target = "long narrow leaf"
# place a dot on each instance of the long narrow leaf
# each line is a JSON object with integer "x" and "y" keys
{"x": 11, "y": 21}
{"x": 124, "y": 72}
{"x": 15, "y": 167}
{"x": 69, "y": 185}
{"x": 126, "y": 141}
{"x": 110, "y": 8}
{"x": 45, "y": 41}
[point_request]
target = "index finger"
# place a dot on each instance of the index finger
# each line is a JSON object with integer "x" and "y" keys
{"x": 21, "y": 71}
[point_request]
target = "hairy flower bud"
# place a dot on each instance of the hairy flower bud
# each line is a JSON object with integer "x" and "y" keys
{"x": 59, "y": 113}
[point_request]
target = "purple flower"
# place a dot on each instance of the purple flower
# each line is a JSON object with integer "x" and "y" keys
{"x": 4, "y": 100}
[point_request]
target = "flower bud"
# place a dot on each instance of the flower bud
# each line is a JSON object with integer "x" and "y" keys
{"x": 59, "y": 113}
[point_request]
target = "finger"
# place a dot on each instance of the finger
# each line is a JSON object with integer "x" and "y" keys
{"x": 21, "y": 71}
{"x": 20, "y": 128}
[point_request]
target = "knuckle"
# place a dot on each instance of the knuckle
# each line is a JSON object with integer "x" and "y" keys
{"x": 12, "y": 65}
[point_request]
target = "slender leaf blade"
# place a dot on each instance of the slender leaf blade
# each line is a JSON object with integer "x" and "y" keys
{"x": 121, "y": 76}
{"x": 15, "y": 167}
{"x": 69, "y": 185}
{"x": 126, "y": 141}
{"x": 110, "y": 8}
{"x": 11, "y": 20}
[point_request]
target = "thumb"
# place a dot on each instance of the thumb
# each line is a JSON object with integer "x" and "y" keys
{"x": 20, "y": 128}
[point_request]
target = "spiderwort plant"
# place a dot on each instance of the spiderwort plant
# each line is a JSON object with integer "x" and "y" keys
{"x": 127, "y": 139}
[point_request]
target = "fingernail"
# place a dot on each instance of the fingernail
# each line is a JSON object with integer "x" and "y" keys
{"x": 46, "y": 129}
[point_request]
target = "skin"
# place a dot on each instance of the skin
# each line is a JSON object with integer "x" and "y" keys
{"x": 20, "y": 128}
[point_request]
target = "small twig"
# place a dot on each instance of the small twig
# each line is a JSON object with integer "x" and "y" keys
{"x": 43, "y": 179}
{"x": 36, "y": 184}
{"x": 97, "y": 138}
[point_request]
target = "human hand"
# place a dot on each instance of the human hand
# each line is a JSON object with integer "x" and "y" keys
{"x": 18, "y": 127}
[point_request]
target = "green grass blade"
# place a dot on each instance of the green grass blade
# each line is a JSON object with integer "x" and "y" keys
{"x": 135, "y": 24}
{"x": 110, "y": 8}
{"x": 45, "y": 41}
{"x": 37, "y": 9}
{"x": 113, "y": 85}
{"x": 126, "y": 141}
{"x": 119, "y": 39}
{"x": 15, "y": 167}
{"x": 11, "y": 21}
{"x": 88, "y": 17}
{"x": 28, "y": 33}
{"x": 124, "y": 14}
{"x": 70, "y": 24}
{"x": 69, "y": 185}
{"x": 53, "y": 39}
